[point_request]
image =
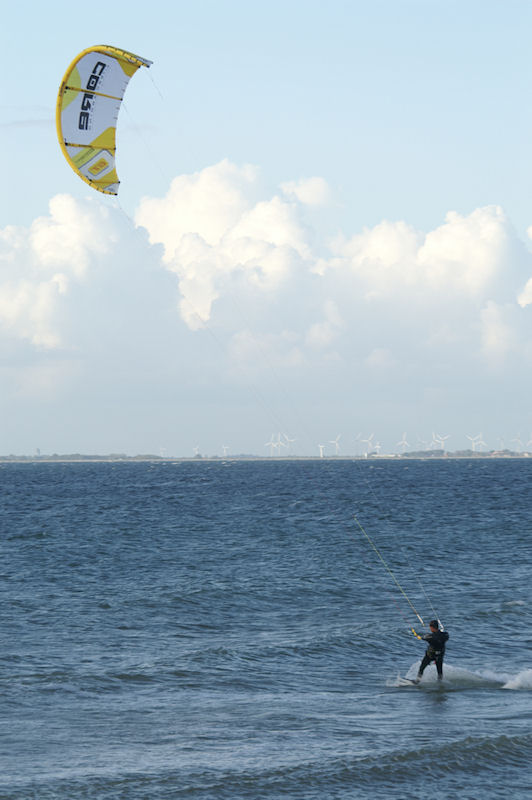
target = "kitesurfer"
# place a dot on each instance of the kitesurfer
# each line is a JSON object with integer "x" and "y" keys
{"x": 436, "y": 649}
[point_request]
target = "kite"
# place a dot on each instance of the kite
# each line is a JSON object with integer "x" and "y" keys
{"x": 87, "y": 109}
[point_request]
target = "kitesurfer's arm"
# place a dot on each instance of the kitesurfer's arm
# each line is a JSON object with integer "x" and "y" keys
{"x": 436, "y": 640}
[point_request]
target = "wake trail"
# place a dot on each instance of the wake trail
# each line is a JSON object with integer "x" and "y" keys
{"x": 455, "y": 678}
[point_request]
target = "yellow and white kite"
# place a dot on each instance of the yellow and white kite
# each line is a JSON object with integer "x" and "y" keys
{"x": 87, "y": 110}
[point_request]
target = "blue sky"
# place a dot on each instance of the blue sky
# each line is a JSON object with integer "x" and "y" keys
{"x": 340, "y": 191}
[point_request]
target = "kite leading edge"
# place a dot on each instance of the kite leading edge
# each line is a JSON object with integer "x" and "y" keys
{"x": 87, "y": 110}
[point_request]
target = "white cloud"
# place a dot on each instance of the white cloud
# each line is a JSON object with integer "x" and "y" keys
{"x": 213, "y": 231}
{"x": 395, "y": 310}
{"x": 27, "y": 308}
{"x": 70, "y": 235}
{"x": 385, "y": 290}
{"x": 49, "y": 271}
{"x": 37, "y": 266}
{"x": 466, "y": 253}
{"x": 525, "y": 297}
{"x": 383, "y": 255}
{"x": 207, "y": 204}
{"x": 455, "y": 290}
{"x": 309, "y": 191}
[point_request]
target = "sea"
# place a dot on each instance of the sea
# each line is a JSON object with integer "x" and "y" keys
{"x": 239, "y": 629}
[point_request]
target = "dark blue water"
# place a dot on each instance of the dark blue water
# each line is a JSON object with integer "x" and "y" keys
{"x": 210, "y": 630}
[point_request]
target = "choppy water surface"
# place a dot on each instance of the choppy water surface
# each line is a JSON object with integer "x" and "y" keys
{"x": 224, "y": 630}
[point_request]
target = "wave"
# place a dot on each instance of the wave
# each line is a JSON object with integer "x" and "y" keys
{"x": 458, "y": 678}
{"x": 523, "y": 680}
{"x": 468, "y": 767}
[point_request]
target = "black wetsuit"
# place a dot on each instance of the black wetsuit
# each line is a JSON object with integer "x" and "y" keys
{"x": 435, "y": 651}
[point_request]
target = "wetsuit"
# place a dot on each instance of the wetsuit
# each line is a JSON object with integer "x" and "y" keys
{"x": 435, "y": 651}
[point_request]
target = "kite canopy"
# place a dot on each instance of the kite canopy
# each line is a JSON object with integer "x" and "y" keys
{"x": 87, "y": 110}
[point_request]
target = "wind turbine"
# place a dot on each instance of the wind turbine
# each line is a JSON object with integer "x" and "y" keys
{"x": 321, "y": 447}
{"x": 288, "y": 442}
{"x": 473, "y": 440}
{"x": 336, "y": 444}
{"x": 271, "y": 445}
{"x": 435, "y": 443}
{"x": 476, "y": 441}
{"x": 369, "y": 442}
{"x": 481, "y": 443}
{"x": 441, "y": 439}
{"x": 403, "y": 443}
{"x": 279, "y": 443}
{"x": 196, "y": 451}
{"x": 357, "y": 439}
{"x": 225, "y": 449}
{"x": 519, "y": 443}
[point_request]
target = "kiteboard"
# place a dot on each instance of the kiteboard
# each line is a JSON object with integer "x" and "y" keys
{"x": 406, "y": 681}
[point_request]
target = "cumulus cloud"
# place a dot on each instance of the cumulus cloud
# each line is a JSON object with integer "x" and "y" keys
{"x": 383, "y": 256}
{"x": 26, "y": 308}
{"x": 454, "y": 291}
{"x": 467, "y": 254}
{"x": 309, "y": 191}
{"x": 525, "y": 297}
{"x": 219, "y": 236}
{"x": 213, "y": 230}
{"x": 38, "y": 264}
{"x": 379, "y": 291}
{"x": 206, "y": 204}
{"x": 389, "y": 302}
{"x": 70, "y": 235}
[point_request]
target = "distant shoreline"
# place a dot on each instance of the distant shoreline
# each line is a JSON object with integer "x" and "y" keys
{"x": 372, "y": 458}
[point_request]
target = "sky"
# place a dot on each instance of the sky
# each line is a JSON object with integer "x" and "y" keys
{"x": 323, "y": 232}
